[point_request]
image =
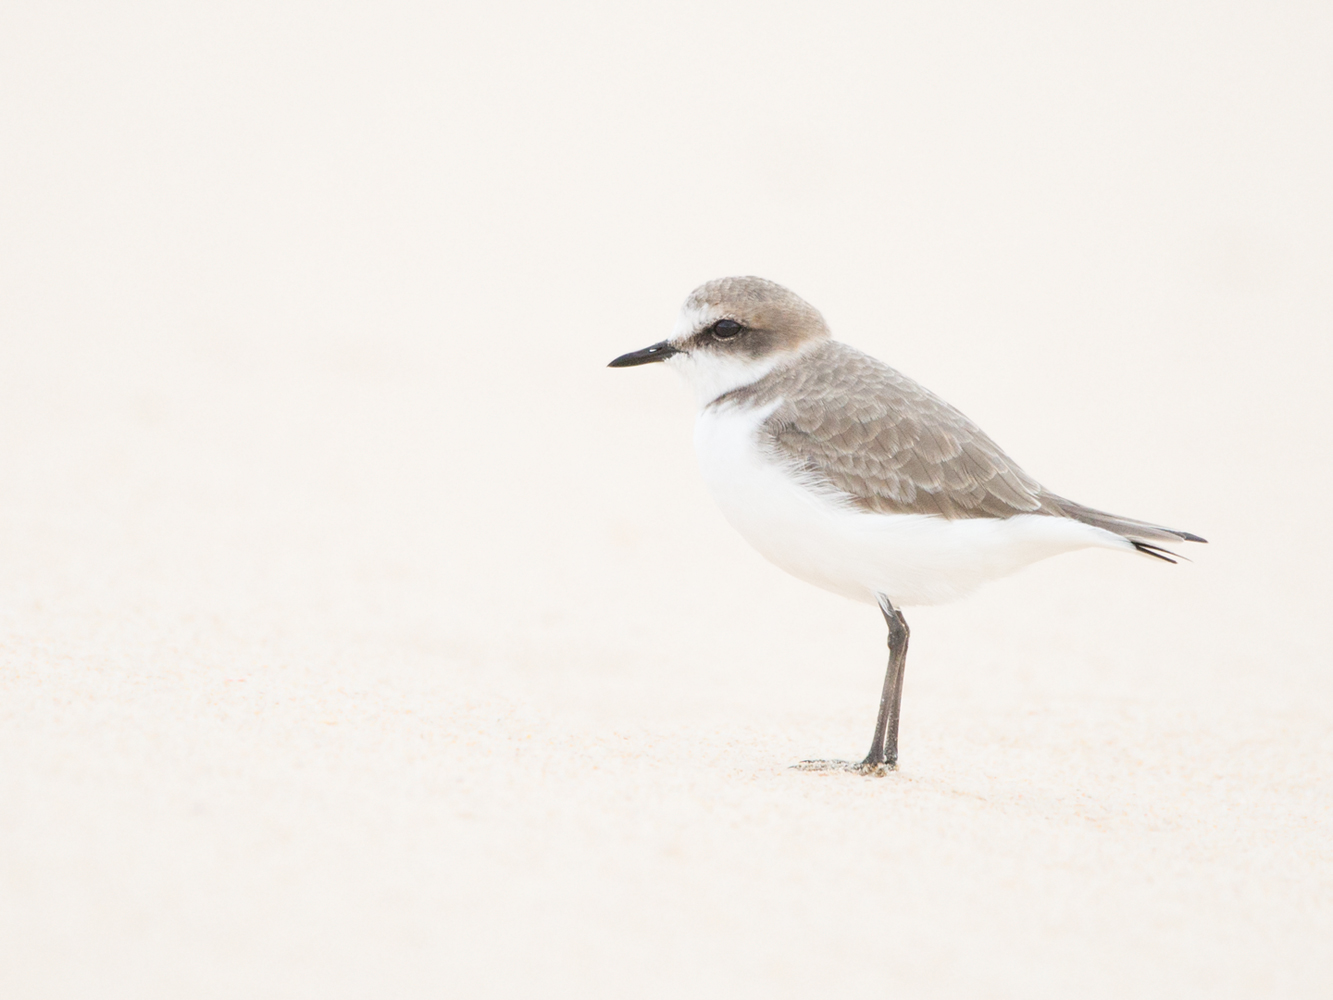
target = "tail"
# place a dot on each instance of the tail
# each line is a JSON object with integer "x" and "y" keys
{"x": 1140, "y": 534}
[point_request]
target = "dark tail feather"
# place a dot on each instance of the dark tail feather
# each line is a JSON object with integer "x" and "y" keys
{"x": 1140, "y": 534}
{"x": 1166, "y": 555}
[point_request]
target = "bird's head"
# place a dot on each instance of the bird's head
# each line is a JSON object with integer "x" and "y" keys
{"x": 732, "y": 332}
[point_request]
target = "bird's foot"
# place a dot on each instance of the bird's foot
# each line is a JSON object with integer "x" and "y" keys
{"x": 870, "y": 768}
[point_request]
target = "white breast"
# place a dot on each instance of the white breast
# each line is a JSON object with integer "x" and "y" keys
{"x": 823, "y": 539}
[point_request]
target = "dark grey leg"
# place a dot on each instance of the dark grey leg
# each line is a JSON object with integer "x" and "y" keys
{"x": 883, "y": 756}
{"x": 884, "y": 745}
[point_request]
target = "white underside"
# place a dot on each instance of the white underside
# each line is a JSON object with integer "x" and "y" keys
{"x": 823, "y": 539}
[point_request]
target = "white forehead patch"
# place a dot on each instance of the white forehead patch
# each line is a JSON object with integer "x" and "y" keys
{"x": 691, "y": 320}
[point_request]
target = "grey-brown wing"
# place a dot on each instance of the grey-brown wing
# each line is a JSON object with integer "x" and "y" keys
{"x": 873, "y": 434}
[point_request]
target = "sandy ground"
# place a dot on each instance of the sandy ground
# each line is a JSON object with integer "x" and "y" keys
{"x": 362, "y": 635}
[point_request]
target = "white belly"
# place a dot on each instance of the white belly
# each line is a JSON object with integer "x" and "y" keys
{"x": 910, "y": 558}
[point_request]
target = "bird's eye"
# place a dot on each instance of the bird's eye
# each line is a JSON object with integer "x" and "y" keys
{"x": 725, "y": 329}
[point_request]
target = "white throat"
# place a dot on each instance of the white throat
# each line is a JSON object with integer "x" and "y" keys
{"x": 711, "y": 375}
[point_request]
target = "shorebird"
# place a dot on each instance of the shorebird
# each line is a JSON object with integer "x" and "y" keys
{"x": 852, "y": 477}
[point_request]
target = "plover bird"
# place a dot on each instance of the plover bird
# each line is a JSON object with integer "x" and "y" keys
{"x": 850, "y": 476}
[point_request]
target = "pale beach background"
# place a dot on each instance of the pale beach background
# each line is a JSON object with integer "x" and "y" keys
{"x": 362, "y": 635}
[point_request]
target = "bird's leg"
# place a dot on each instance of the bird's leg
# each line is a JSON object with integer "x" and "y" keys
{"x": 883, "y": 754}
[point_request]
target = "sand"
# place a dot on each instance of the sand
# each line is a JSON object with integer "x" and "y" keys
{"x": 362, "y": 635}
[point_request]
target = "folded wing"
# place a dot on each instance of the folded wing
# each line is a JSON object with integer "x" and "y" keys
{"x": 893, "y": 447}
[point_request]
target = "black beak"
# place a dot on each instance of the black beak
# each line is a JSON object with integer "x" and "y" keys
{"x": 658, "y": 352}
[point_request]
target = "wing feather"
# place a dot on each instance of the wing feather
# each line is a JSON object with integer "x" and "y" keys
{"x": 889, "y": 444}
